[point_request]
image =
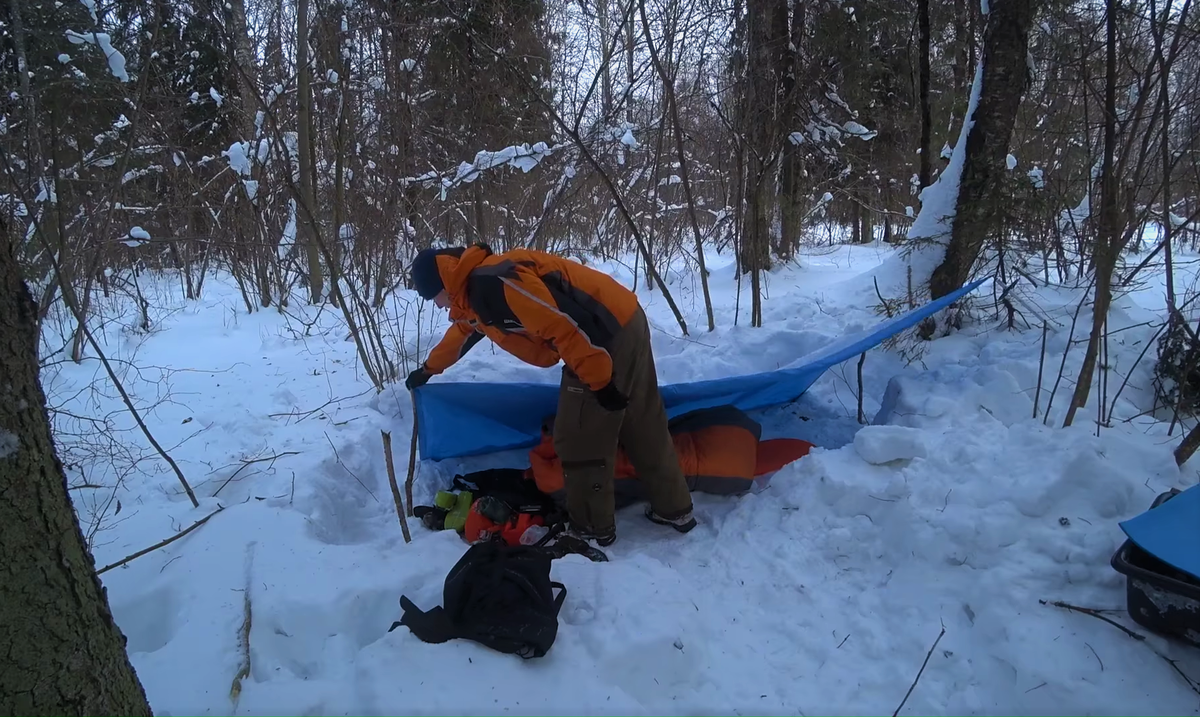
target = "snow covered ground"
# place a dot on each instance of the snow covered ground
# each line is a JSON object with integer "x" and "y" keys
{"x": 821, "y": 594}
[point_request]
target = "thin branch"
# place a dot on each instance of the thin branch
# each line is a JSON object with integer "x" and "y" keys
{"x": 163, "y": 544}
{"x": 921, "y": 671}
{"x": 412, "y": 457}
{"x": 82, "y": 319}
{"x": 246, "y": 464}
{"x": 391, "y": 471}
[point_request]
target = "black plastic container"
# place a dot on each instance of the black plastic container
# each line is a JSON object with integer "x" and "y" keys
{"x": 1157, "y": 596}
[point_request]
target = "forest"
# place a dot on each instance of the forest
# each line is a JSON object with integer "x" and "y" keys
{"x": 301, "y": 152}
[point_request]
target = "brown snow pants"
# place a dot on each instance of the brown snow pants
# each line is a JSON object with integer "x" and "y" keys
{"x": 586, "y": 436}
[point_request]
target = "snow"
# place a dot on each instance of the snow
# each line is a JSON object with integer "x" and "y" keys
{"x": 91, "y": 6}
{"x": 1010, "y": 162}
{"x": 216, "y": 96}
{"x": 331, "y": 76}
{"x": 820, "y": 592}
{"x": 239, "y": 156}
{"x": 8, "y": 444}
{"x": 137, "y": 237}
{"x": 408, "y": 65}
{"x": 64, "y": 58}
{"x": 1037, "y": 177}
{"x": 878, "y": 445}
{"x": 859, "y": 131}
{"x": 116, "y": 61}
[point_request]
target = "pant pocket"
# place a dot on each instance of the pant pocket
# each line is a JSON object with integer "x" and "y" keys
{"x": 589, "y": 488}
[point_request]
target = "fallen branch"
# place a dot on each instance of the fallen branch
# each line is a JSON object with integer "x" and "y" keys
{"x": 861, "y": 359}
{"x": 1037, "y": 396}
{"x": 391, "y": 471}
{"x": 1137, "y": 636}
{"x": 235, "y": 689}
{"x": 1096, "y": 614}
{"x": 246, "y": 464}
{"x": 412, "y": 457}
{"x": 921, "y": 671}
{"x": 163, "y": 544}
{"x": 338, "y": 457}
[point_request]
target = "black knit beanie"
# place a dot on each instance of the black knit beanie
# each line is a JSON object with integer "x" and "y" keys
{"x": 426, "y": 279}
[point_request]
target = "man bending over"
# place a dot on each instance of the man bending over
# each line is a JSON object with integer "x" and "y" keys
{"x": 542, "y": 308}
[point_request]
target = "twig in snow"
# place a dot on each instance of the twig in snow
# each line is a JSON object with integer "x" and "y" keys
{"x": 163, "y": 544}
{"x": 843, "y": 642}
{"x": 246, "y": 464}
{"x": 391, "y": 471}
{"x": 1037, "y": 396}
{"x": 301, "y": 415}
{"x": 1097, "y": 656}
{"x": 1066, "y": 350}
{"x": 1031, "y": 689}
{"x": 235, "y": 689}
{"x": 861, "y": 360}
{"x": 1137, "y": 636}
{"x": 921, "y": 671}
{"x": 1096, "y": 614}
{"x": 412, "y": 457}
{"x": 337, "y": 456}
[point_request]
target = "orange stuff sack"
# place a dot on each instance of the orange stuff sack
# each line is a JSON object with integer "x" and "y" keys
{"x": 720, "y": 451}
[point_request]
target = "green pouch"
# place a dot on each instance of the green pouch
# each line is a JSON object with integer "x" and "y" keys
{"x": 456, "y": 519}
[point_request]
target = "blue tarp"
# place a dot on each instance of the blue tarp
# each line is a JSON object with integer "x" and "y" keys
{"x": 1171, "y": 532}
{"x": 465, "y": 419}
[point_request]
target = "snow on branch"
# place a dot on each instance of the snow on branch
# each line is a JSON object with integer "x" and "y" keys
{"x": 116, "y": 61}
{"x": 523, "y": 157}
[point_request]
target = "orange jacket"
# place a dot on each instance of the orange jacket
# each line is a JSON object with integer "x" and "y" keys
{"x": 539, "y": 307}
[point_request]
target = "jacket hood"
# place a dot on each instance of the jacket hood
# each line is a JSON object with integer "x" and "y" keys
{"x": 455, "y": 271}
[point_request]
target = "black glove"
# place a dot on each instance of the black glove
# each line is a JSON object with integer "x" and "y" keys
{"x": 611, "y": 399}
{"x": 417, "y": 378}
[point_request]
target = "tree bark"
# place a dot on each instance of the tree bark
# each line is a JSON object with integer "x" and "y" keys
{"x": 1005, "y": 79}
{"x": 681, "y": 155}
{"x": 925, "y": 172}
{"x": 1107, "y": 247}
{"x": 62, "y": 653}
{"x": 306, "y": 215}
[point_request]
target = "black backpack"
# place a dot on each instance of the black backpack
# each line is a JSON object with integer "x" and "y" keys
{"x": 498, "y": 595}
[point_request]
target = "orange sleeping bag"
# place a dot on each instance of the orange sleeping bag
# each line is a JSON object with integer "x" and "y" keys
{"x": 720, "y": 451}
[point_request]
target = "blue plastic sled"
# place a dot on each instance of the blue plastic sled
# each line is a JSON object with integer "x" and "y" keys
{"x": 1171, "y": 532}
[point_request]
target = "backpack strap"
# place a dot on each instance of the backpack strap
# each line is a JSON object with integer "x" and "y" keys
{"x": 558, "y": 599}
{"x": 429, "y": 626}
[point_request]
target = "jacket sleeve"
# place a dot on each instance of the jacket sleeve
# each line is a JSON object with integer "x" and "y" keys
{"x": 459, "y": 339}
{"x": 536, "y": 309}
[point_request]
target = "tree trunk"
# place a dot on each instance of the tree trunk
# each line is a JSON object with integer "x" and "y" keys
{"x": 1108, "y": 243}
{"x": 63, "y": 654}
{"x": 306, "y": 212}
{"x": 677, "y": 127}
{"x": 1005, "y": 78}
{"x": 926, "y": 165}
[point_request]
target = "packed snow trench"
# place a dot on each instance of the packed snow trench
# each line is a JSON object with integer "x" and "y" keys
{"x": 822, "y": 592}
